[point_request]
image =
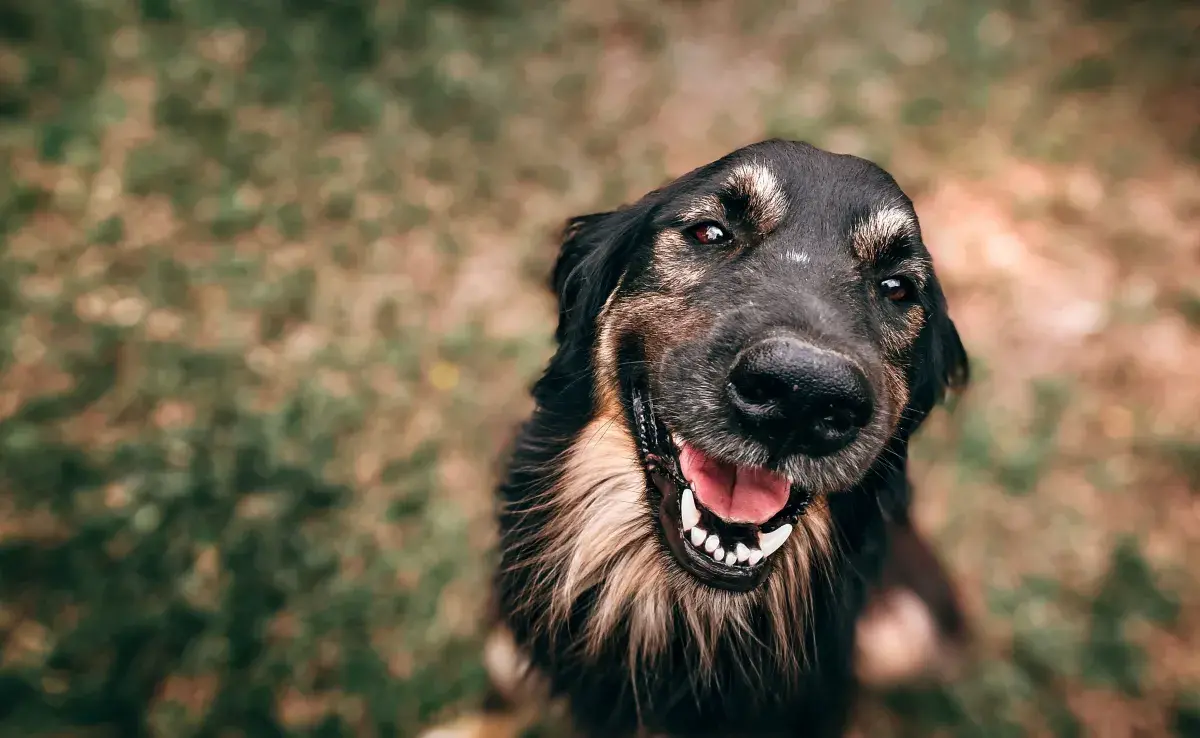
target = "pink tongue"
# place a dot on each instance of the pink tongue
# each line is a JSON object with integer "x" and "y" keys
{"x": 735, "y": 493}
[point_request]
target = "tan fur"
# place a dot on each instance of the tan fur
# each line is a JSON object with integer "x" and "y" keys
{"x": 896, "y": 386}
{"x": 676, "y": 271}
{"x": 874, "y": 234}
{"x": 608, "y": 402}
{"x": 708, "y": 207}
{"x": 759, "y": 185}
{"x": 661, "y": 319}
{"x": 602, "y": 536}
{"x": 897, "y": 340}
{"x": 753, "y": 181}
{"x": 509, "y": 670}
{"x": 897, "y": 640}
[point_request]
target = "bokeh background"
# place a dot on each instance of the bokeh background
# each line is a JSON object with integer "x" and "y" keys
{"x": 272, "y": 292}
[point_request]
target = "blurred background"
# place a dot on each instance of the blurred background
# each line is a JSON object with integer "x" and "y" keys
{"x": 272, "y": 292}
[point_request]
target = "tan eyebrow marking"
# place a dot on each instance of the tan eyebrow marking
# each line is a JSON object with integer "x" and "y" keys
{"x": 870, "y": 237}
{"x": 766, "y": 202}
{"x": 708, "y": 207}
{"x": 916, "y": 268}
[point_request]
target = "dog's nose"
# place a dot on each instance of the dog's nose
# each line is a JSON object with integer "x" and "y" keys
{"x": 794, "y": 397}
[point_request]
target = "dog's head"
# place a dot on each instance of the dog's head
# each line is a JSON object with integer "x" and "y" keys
{"x": 762, "y": 332}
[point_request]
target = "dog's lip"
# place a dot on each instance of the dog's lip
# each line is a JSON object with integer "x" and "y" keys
{"x": 721, "y": 554}
{"x": 745, "y": 494}
{"x": 737, "y": 578}
{"x": 788, "y": 515}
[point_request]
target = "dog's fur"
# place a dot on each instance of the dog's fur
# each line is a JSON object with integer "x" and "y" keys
{"x": 592, "y": 608}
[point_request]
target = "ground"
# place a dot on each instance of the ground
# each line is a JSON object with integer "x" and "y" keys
{"x": 272, "y": 293}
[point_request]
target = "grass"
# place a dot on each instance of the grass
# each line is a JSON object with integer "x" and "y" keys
{"x": 272, "y": 291}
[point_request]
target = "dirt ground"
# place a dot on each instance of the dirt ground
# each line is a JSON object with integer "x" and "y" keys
{"x": 273, "y": 293}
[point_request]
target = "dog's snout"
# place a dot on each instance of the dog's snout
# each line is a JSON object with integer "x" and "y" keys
{"x": 796, "y": 398}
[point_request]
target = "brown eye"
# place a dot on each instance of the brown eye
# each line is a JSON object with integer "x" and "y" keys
{"x": 709, "y": 233}
{"x": 898, "y": 289}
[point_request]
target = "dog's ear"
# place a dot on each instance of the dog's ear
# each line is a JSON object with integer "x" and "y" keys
{"x": 941, "y": 364}
{"x": 590, "y": 263}
{"x": 953, "y": 365}
{"x": 594, "y": 252}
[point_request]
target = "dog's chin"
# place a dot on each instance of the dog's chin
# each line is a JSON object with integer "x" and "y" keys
{"x": 728, "y": 551}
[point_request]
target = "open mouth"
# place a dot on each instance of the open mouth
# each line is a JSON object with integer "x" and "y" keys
{"x": 722, "y": 521}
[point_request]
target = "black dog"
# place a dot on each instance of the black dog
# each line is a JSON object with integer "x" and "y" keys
{"x": 699, "y": 505}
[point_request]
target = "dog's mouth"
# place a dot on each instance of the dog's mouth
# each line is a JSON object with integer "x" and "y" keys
{"x": 723, "y": 522}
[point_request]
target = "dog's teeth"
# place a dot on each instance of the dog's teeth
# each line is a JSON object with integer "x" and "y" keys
{"x": 755, "y": 557}
{"x": 688, "y": 511}
{"x": 698, "y": 536}
{"x": 719, "y": 554}
{"x": 712, "y": 543}
{"x": 730, "y": 557}
{"x": 743, "y": 552}
{"x": 770, "y": 542}
{"x": 675, "y": 439}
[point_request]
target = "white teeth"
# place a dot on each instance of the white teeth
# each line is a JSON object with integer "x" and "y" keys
{"x": 689, "y": 515}
{"x": 770, "y": 542}
{"x": 710, "y": 543}
{"x": 743, "y": 552}
{"x": 688, "y": 511}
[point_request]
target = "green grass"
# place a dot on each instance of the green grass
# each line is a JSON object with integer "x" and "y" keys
{"x": 271, "y": 294}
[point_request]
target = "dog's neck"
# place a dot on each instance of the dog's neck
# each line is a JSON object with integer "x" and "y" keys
{"x": 672, "y": 654}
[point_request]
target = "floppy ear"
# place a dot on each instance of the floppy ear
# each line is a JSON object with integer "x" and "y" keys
{"x": 953, "y": 365}
{"x": 593, "y": 255}
{"x": 594, "y": 252}
{"x": 941, "y": 364}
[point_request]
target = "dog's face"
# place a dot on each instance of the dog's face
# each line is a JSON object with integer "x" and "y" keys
{"x": 763, "y": 331}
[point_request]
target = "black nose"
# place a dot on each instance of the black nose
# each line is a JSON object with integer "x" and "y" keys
{"x": 796, "y": 398}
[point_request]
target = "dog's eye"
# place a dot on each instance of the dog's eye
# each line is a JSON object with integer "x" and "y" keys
{"x": 709, "y": 233}
{"x": 898, "y": 289}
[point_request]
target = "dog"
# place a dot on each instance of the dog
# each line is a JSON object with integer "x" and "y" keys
{"x": 713, "y": 485}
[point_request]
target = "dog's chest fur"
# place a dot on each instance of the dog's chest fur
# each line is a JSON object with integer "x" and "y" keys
{"x": 744, "y": 691}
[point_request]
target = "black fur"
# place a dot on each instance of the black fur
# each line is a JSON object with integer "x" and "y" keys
{"x": 750, "y": 695}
